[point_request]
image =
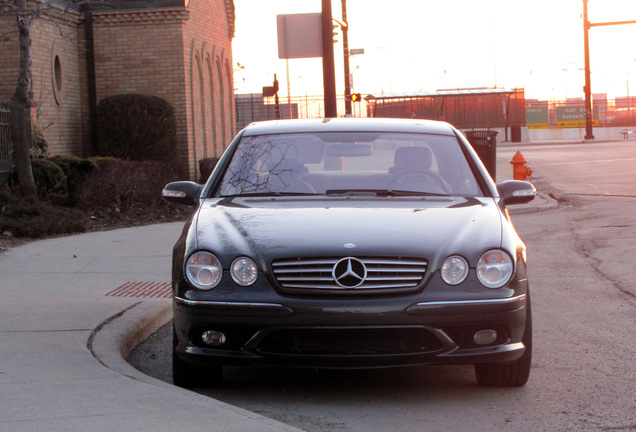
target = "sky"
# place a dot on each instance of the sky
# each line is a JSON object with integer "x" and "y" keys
{"x": 428, "y": 45}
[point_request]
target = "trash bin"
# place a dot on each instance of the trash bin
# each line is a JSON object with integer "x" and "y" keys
{"x": 515, "y": 133}
{"x": 485, "y": 144}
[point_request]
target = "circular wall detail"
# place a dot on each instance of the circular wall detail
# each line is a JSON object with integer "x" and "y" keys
{"x": 56, "y": 73}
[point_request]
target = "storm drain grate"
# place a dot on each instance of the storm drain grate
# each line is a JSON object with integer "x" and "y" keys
{"x": 143, "y": 289}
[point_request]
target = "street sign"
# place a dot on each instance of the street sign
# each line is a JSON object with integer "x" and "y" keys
{"x": 299, "y": 35}
{"x": 574, "y": 116}
{"x": 356, "y": 51}
{"x": 537, "y": 117}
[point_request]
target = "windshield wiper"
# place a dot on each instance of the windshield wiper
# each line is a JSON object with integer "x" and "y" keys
{"x": 268, "y": 194}
{"x": 379, "y": 193}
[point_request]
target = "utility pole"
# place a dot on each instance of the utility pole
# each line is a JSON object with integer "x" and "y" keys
{"x": 345, "y": 47}
{"x": 588, "y": 86}
{"x": 587, "y": 25}
{"x": 328, "y": 66}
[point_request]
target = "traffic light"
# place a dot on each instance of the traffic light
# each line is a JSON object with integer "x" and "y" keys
{"x": 356, "y": 97}
{"x": 335, "y": 33}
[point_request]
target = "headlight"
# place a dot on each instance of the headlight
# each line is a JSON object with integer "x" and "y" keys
{"x": 494, "y": 269}
{"x": 244, "y": 271}
{"x": 203, "y": 270}
{"x": 454, "y": 270}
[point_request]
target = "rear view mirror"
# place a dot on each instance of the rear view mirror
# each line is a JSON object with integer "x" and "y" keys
{"x": 349, "y": 150}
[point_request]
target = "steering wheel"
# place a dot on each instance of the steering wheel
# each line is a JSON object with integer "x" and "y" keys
{"x": 419, "y": 176}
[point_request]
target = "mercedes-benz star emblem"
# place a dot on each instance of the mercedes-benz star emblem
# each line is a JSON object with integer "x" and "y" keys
{"x": 349, "y": 272}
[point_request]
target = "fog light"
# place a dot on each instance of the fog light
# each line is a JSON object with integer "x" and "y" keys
{"x": 485, "y": 337}
{"x": 213, "y": 338}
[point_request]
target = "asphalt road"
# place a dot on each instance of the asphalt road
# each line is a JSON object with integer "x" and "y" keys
{"x": 581, "y": 269}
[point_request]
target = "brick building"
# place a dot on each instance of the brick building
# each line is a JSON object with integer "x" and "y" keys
{"x": 179, "y": 50}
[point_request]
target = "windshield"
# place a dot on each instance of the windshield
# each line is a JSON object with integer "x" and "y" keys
{"x": 376, "y": 164}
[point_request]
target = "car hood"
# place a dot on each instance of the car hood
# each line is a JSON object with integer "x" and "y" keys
{"x": 267, "y": 229}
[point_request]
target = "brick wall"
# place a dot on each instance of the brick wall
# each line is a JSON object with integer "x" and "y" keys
{"x": 208, "y": 45}
{"x": 56, "y": 81}
{"x": 8, "y": 56}
{"x": 180, "y": 54}
{"x": 165, "y": 53}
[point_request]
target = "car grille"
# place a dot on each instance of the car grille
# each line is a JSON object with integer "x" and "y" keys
{"x": 382, "y": 274}
{"x": 344, "y": 342}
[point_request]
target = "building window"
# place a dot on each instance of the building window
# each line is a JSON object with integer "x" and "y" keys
{"x": 57, "y": 79}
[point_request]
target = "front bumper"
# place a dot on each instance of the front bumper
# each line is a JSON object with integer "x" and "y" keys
{"x": 368, "y": 333}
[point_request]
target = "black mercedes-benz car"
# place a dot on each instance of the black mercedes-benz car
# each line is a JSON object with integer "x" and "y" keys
{"x": 350, "y": 243}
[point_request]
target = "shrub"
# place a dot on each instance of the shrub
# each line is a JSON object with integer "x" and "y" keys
{"x": 102, "y": 161}
{"x": 126, "y": 185}
{"x": 40, "y": 149}
{"x": 136, "y": 127}
{"x": 76, "y": 170}
{"x": 33, "y": 218}
{"x": 50, "y": 180}
{"x": 206, "y": 166}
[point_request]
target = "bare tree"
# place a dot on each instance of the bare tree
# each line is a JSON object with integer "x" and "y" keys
{"x": 26, "y": 13}
{"x": 21, "y": 99}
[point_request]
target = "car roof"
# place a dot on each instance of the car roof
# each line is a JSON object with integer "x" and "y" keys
{"x": 349, "y": 125}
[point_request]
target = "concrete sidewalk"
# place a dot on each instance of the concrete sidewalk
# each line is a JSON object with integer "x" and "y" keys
{"x": 63, "y": 338}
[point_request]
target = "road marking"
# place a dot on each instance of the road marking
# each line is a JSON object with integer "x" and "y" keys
{"x": 143, "y": 290}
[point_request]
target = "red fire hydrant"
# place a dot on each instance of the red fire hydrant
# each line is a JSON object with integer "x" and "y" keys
{"x": 519, "y": 169}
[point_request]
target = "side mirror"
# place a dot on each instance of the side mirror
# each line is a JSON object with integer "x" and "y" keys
{"x": 183, "y": 192}
{"x": 516, "y": 192}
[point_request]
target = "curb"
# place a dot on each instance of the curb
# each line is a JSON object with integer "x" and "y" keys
{"x": 112, "y": 341}
{"x": 542, "y": 202}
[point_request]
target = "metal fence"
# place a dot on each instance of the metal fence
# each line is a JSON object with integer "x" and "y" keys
{"x": 254, "y": 107}
{"x": 465, "y": 109}
{"x": 619, "y": 112}
{"x": 5, "y": 141}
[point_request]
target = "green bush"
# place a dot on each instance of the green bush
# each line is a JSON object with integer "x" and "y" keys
{"x": 76, "y": 170}
{"x": 40, "y": 149}
{"x": 50, "y": 180}
{"x": 136, "y": 127}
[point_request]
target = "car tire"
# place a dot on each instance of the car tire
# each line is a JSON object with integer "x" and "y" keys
{"x": 513, "y": 374}
{"x": 189, "y": 375}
